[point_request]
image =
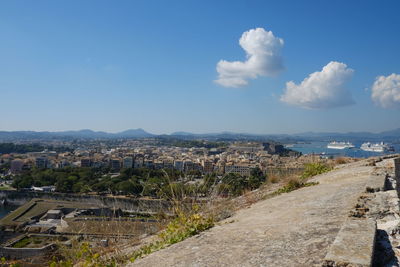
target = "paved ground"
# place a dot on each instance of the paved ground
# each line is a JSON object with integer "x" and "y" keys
{"x": 293, "y": 229}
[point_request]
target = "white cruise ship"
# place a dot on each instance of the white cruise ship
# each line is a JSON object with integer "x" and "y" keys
{"x": 340, "y": 145}
{"x": 378, "y": 147}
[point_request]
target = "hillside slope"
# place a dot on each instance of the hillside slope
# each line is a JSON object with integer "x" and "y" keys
{"x": 293, "y": 229}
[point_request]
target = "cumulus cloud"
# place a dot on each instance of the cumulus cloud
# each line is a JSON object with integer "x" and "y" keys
{"x": 263, "y": 58}
{"x": 321, "y": 89}
{"x": 386, "y": 91}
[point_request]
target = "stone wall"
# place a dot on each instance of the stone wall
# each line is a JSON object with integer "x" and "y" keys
{"x": 128, "y": 204}
{"x": 397, "y": 174}
{"x": 24, "y": 253}
{"x": 397, "y": 167}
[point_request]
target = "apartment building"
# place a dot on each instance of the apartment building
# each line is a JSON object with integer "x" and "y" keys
{"x": 127, "y": 162}
{"x": 41, "y": 162}
{"x": 16, "y": 166}
{"x": 115, "y": 164}
{"x": 241, "y": 169}
{"x": 86, "y": 162}
{"x": 208, "y": 166}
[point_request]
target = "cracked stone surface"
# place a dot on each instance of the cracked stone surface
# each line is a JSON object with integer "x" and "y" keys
{"x": 292, "y": 229}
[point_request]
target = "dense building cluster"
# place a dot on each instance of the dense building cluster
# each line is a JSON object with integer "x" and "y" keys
{"x": 236, "y": 157}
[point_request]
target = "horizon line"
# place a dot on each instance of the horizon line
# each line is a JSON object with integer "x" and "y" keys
{"x": 196, "y": 133}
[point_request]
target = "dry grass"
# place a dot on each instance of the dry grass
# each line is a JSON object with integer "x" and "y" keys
{"x": 214, "y": 207}
{"x": 342, "y": 160}
{"x": 225, "y": 208}
{"x": 112, "y": 227}
{"x": 274, "y": 179}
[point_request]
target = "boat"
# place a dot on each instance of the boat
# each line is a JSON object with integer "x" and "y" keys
{"x": 378, "y": 147}
{"x": 340, "y": 145}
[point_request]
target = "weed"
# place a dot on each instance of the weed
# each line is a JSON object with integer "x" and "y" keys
{"x": 87, "y": 257}
{"x": 274, "y": 179}
{"x": 23, "y": 242}
{"x": 292, "y": 185}
{"x": 341, "y": 160}
{"x": 3, "y": 262}
{"x": 179, "y": 229}
{"x": 312, "y": 169}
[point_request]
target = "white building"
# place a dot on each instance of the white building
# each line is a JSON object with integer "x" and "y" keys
{"x": 241, "y": 169}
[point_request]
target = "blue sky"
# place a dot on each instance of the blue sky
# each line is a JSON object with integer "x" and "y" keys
{"x": 116, "y": 65}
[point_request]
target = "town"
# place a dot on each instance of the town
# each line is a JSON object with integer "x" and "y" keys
{"x": 222, "y": 158}
{"x": 69, "y": 190}
{"x": 199, "y": 133}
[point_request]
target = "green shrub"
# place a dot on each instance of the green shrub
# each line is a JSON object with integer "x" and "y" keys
{"x": 3, "y": 262}
{"x": 23, "y": 242}
{"x": 86, "y": 257}
{"x": 293, "y": 185}
{"x": 312, "y": 169}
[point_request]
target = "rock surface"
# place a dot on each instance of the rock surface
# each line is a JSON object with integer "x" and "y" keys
{"x": 354, "y": 244}
{"x": 292, "y": 229}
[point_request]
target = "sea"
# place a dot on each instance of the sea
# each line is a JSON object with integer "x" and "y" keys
{"x": 321, "y": 149}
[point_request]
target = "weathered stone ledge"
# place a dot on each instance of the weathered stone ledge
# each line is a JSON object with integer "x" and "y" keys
{"x": 354, "y": 244}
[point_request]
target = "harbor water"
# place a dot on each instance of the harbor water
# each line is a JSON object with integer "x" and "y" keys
{"x": 321, "y": 148}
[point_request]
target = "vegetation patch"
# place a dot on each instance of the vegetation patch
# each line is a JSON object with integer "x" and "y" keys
{"x": 292, "y": 185}
{"x": 23, "y": 242}
{"x": 116, "y": 226}
{"x": 4, "y": 187}
{"x": 235, "y": 185}
{"x": 4, "y": 262}
{"x": 179, "y": 229}
{"x": 312, "y": 169}
{"x": 36, "y": 241}
{"x": 341, "y": 160}
{"x": 6, "y": 148}
{"x": 85, "y": 256}
{"x": 182, "y": 227}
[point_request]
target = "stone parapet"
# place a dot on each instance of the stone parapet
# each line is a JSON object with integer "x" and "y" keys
{"x": 397, "y": 174}
{"x": 24, "y": 253}
{"x": 354, "y": 244}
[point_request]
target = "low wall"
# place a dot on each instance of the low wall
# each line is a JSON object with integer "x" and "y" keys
{"x": 129, "y": 204}
{"x": 24, "y": 253}
{"x": 354, "y": 244}
{"x": 397, "y": 174}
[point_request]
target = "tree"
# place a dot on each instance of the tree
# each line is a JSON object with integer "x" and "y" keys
{"x": 152, "y": 185}
{"x": 65, "y": 184}
{"x": 209, "y": 182}
{"x": 237, "y": 183}
{"x": 172, "y": 191}
{"x": 256, "y": 178}
{"x": 23, "y": 181}
{"x": 129, "y": 187}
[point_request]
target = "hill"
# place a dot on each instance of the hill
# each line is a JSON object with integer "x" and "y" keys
{"x": 325, "y": 228}
{"x": 392, "y": 135}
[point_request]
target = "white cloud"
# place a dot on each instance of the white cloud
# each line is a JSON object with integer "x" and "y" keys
{"x": 386, "y": 91}
{"x": 263, "y": 59}
{"x": 321, "y": 89}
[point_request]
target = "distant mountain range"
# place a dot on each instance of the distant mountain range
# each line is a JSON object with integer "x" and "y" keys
{"x": 140, "y": 133}
{"x": 393, "y": 134}
{"x": 82, "y": 134}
